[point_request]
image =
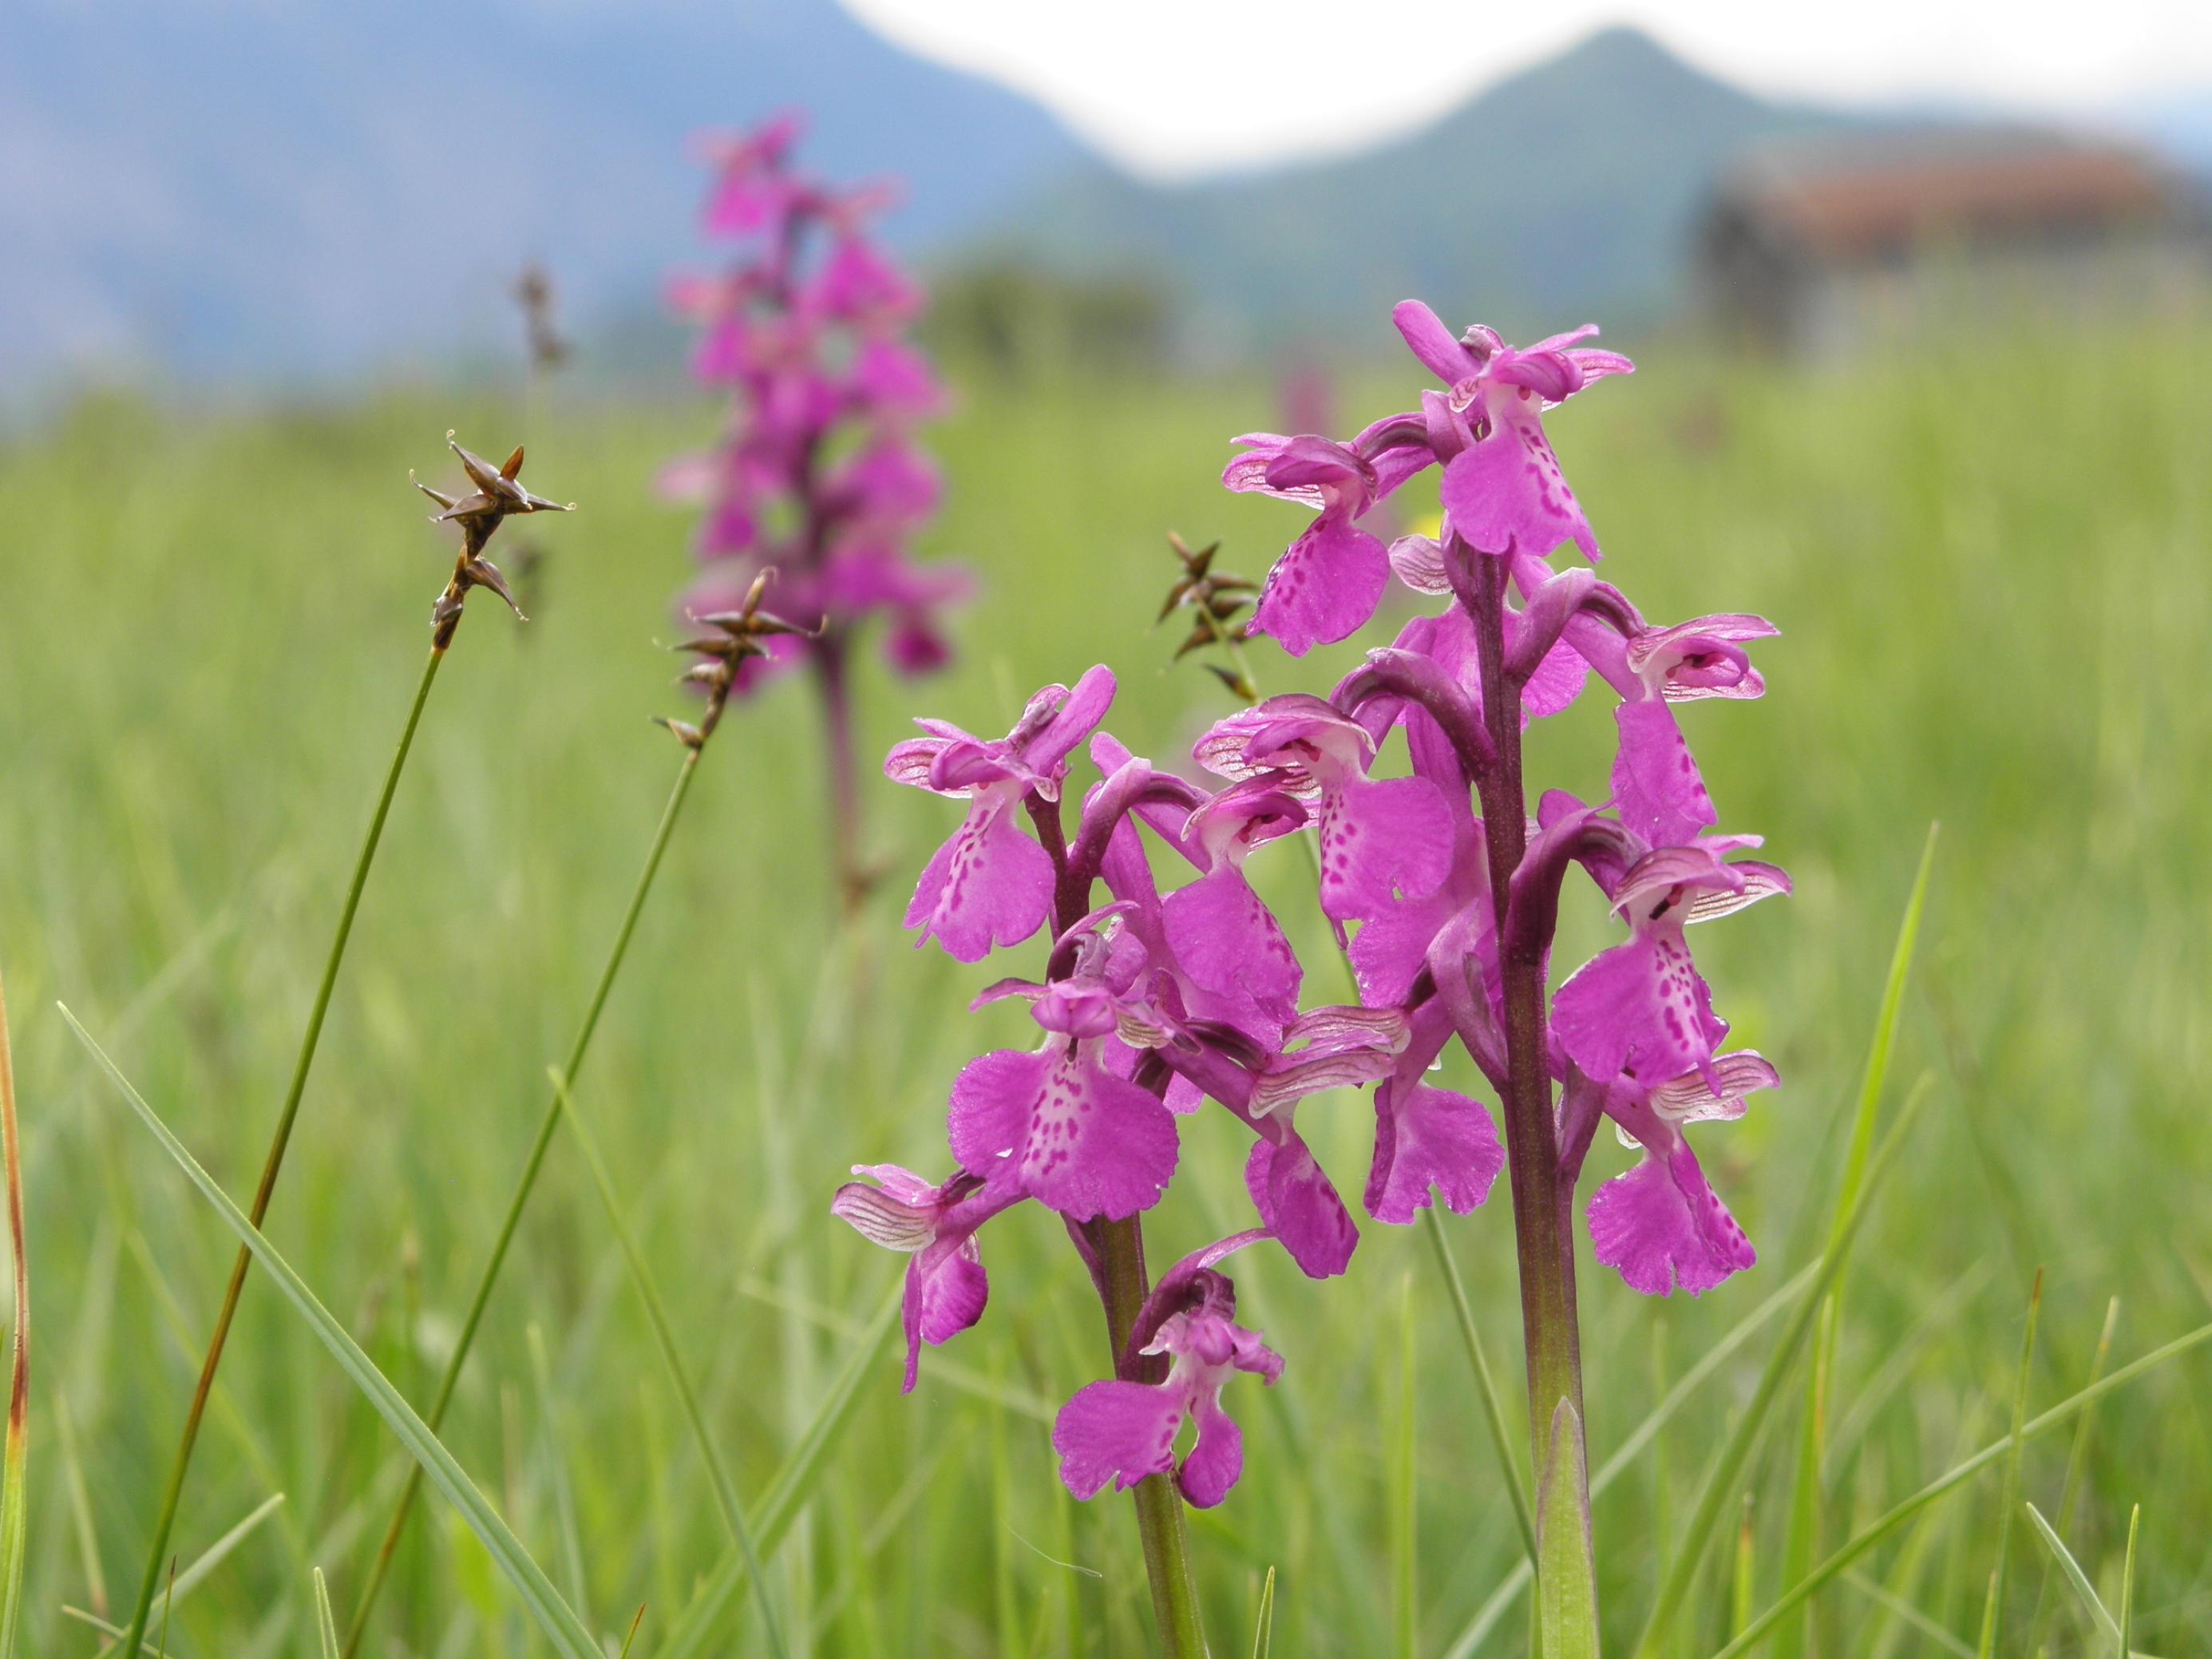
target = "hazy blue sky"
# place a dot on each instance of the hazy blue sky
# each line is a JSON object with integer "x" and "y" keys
{"x": 1180, "y": 86}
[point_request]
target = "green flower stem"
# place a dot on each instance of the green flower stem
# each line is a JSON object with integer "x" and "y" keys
{"x": 1567, "y": 1589}
{"x": 1432, "y": 1222}
{"x": 1159, "y": 1505}
{"x": 158, "y": 1554}
{"x": 832, "y": 669}
{"x": 547, "y": 1124}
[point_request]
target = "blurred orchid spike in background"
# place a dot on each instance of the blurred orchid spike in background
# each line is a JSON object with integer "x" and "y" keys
{"x": 817, "y": 473}
{"x": 1441, "y": 886}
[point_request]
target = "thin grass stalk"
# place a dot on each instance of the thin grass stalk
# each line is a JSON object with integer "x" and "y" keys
{"x": 1721, "y": 1478}
{"x": 2077, "y": 1460}
{"x": 664, "y": 1335}
{"x": 193, "y": 1577}
{"x": 2127, "y": 1620}
{"x": 788, "y": 1494}
{"x": 1900, "y": 1513}
{"x": 450, "y": 1379}
{"x": 1993, "y": 1615}
{"x": 1720, "y": 1482}
{"x": 2093, "y": 1605}
{"x": 1690, "y": 1387}
{"x": 1405, "y": 1477}
{"x": 552, "y": 1615}
{"x": 1745, "y": 1577}
{"x": 326, "y": 1629}
{"x": 1802, "y": 1540}
{"x": 1493, "y": 1408}
{"x": 174, "y": 1490}
{"x": 15, "y": 1478}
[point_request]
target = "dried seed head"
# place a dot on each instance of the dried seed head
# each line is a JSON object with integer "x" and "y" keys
{"x": 497, "y": 496}
{"x": 736, "y": 635}
{"x": 533, "y": 292}
{"x": 1214, "y": 598}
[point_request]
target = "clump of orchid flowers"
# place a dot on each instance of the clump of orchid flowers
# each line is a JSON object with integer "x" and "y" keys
{"x": 817, "y": 476}
{"x": 1444, "y": 884}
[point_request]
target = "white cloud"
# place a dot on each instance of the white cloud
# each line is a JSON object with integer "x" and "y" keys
{"x": 1175, "y": 86}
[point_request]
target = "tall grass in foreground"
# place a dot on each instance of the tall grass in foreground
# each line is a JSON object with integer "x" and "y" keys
{"x": 1959, "y": 559}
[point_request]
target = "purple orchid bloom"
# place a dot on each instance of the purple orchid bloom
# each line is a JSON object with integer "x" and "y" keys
{"x": 1429, "y": 1138}
{"x": 751, "y": 191}
{"x": 1380, "y": 839}
{"x": 945, "y": 1286}
{"x": 1392, "y": 948}
{"x": 1503, "y": 489}
{"x": 859, "y": 285}
{"x": 1222, "y": 936}
{"x": 886, "y": 487}
{"x": 1642, "y": 1008}
{"x": 990, "y": 883}
{"x": 1057, "y": 1124}
{"x": 1660, "y": 1226}
{"x": 1655, "y": 781}
{"x": 893, "y": 381}
{"x": 1120, "y": 1431}
{"x": 1328, "y": 585}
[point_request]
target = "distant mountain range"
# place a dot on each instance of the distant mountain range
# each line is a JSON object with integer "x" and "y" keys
{"x": 268, "y": 190}
{"x": 269, "y": 187}
{"x": 1568, "y": 189}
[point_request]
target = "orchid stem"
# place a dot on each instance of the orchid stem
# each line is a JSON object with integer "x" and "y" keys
{"x": 1566, "y": 1595}
{"x": 157, "y": 1555}
{"x": 1501, "y": 1436}
{"x": 1159, "y": 1505}
{"x": 547, "y": 1124}
{"x": 1123, "y": 1285}
{"x": 830, "y": 667}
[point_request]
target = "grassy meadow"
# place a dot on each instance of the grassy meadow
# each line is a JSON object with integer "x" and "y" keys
{"x": 1993, "y": 571}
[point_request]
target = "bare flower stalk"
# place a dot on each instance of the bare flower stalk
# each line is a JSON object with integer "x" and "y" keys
{"x": 497, "y": 496}
{"x": 729, "y": 639}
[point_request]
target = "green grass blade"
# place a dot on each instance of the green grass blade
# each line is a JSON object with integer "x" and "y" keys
{"x": 15, "y": 1459}
{"x": 1405, "y": 1542}
{"x": 556, "y": 1462}
{"x": 1803, "y": 1539}
{"x": 1885, "y": 1037}
{"x": 1263, "y": 1628}
{"x": 327, "y": 1627}
{"x": 664, "y": 1336}
{"x": 2084, "y": 1592}
{"x": 1493, "y": 1408}
{"x": 1624, "y": 1458}
{"x": 1890, "y": 1602}
{"x": 1721, "y": 1481}
{"x": 1900, "y": 1513}
{"x": 190, "y": 1578}
{"x": 1745, "y": 1583}
{"x": 552, "y": 1616}
{"x": 1993, "y": 1612}
{"x": 637, "y": 1623}
{"x": 2077, "y": 1463}
{"x": 794, "y": 1484}
{"x": 80, "y": 1501}
{"x": 2124, "y": 1645}
{"x": 1727, "y": 1469}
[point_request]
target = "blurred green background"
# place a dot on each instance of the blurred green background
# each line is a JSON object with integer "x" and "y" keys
{"x": 1989, "y": 565}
